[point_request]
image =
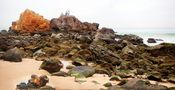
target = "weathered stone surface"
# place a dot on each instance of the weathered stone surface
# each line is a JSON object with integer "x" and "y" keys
{"x": 60, "y": 73}
{"x": 51, "y": 65}
{"x": 13, "y": 55}
{"x": 106, "y": 34}
{"x": 86, "y": 71}
{"x": 31, "y": 22}
{"x": 65, "y": 22}
{"x": 136, "y": 84}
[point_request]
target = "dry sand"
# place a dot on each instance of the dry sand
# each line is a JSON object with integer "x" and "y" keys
{"x": 13, "y": 73}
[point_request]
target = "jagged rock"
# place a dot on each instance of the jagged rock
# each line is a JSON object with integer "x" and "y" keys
{"x": 85, "y": 71}
{"x": 65, "y": 22}
{"x": 13, "y": 55}
{"x": 106, "y": 34}
{"x": 151, "y": 40}
{"x": 31, "y": 22}
{"x": 137, "y": 84}
{"x": 51, "y": 65}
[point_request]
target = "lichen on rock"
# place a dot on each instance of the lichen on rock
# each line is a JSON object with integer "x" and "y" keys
{"x": 31, "y": 22}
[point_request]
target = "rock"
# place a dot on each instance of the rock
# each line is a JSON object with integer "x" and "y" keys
{"x": 85, "y": 71}
{"x": 60, "y": 73}
{"x": 106, "y": 34}
{"x": 31, "y": 22}
{"x": 151, "y": 40}
{"x": 115, "y": 87}
{"x": 136, "y": 40}
{"x": 3, "y": 32}
{"x": 65, "y": 22}
{"x": 171, "y": 88}
{"x": 116, "y": 78}
{"x": 137, "y": 84}
{"x": 35, "y": 83}
{"x": 70, "y": 66}
{"x": 159, "y": 39}
{"x": 107, "y": 84}
{"x": 51, "y": 65}
{"x": 22, "y": 85}
{"x": 154, "y": 76}
{"x": 13, "y": 55}
{"x": 102, "y": 71}
{"x": 172, "y": 80}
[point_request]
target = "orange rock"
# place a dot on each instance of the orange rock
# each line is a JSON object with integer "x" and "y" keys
{"x": 30, "y": 21}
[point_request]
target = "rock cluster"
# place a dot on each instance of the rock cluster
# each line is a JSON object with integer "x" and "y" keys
{"x": 35, "y": 83}
{"x": 120, "y": 56}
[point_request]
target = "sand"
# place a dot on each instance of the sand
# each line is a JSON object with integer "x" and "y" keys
{"x": 13, "y": 73}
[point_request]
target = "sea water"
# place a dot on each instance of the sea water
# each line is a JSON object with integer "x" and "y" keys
{"x": 167, "y": 35}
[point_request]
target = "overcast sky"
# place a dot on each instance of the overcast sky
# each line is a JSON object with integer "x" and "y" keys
{"x": 108, "y": 13}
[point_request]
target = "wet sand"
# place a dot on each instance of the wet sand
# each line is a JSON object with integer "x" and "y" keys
{"x": 14, "y": 73}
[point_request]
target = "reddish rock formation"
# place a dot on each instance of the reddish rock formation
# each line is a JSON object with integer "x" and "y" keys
{"x": 30, "y": 21}
{"x": 66, "y": 22}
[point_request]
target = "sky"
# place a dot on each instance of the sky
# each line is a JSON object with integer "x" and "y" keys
{"x": 108, "y": 13}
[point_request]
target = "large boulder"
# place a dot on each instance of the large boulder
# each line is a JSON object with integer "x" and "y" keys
{"x": 13, "y": 55}
{"x": 66, "y": 22}
{"x": 106, "y": 34}
{"x": 31, "y": 22}
{"x": 51, "y": 65}
{"x": 85, "y": 71}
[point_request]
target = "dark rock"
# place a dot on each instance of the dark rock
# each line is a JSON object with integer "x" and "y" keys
{"x": 136, "y": 40}
{"x": 107, "y": 84}
{"x": 159, "y": 39}
{"x": 151, "y": 40}
{"x": 60, "y": 73}
{"x": 115, "y": 87}
{"x": 4, "y": 32}
{"x": 86, "y": 71}
{"x": 106, "y": 34}
{"x": 51, "y": 65}
{"x": 155, "y": 77}
{"x": 136, "y": 84}
{"x": 22, "y": 85}
{"x": 102, "y": 71}
{"x": 171, "y": 88}
{"x": 13, "y": 55}
{"x": 116, "y": 78}
{"x": 172, "y": 80}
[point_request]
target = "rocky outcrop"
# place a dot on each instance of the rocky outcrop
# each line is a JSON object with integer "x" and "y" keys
{"x": 65, "y": 22}
{"x": 31, "y": 22}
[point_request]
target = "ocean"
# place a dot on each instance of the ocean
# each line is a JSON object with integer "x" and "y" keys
{"x": 167, "y": 35}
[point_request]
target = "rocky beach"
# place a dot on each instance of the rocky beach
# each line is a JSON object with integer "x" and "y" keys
{"x": 66, "y": 54}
